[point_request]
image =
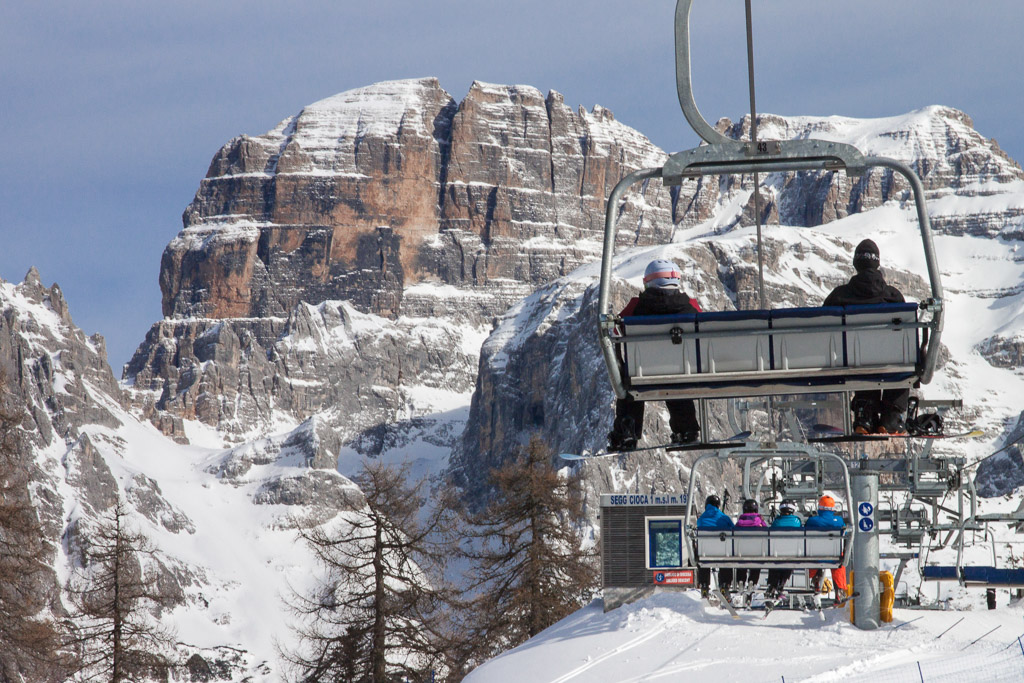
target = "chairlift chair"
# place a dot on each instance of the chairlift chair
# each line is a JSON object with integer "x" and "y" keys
{"x": 773, "y": 548}
{"x": 728, "y": 354}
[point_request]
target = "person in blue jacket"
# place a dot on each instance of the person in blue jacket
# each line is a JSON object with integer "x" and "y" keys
{"x": 828, "y": 519}
{"x": 787, "y": 519}
{"x": 713, "y": 518}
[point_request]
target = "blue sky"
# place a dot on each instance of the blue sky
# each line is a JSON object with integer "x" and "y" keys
{"x": 113, "y": 110}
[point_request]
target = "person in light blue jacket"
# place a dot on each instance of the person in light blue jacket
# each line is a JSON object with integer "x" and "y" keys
{"x": 713, "y": 518}
{"x": 777, "y": 578}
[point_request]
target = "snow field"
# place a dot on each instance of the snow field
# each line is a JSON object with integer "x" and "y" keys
{"x": 674, "y": 636}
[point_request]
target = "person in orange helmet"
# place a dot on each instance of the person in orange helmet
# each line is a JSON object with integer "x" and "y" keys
{"x": 828, "y": 519}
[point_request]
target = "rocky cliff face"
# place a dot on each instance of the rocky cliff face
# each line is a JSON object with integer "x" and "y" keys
{"x": 365, "y": 194}
{"x": 250, "y": 376}
{"x": 403, "y": 203}
{"x": 81, "y": 452}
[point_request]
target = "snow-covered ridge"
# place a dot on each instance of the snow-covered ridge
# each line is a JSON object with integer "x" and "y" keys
{"x": 379, "y": 110}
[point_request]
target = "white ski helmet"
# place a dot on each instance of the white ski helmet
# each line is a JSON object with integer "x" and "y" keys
{"x": 662, "y": 273}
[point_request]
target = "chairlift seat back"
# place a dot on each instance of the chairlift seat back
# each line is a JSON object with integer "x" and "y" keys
{"x": 750, "y": 353}
{"x": 766, "y": 547}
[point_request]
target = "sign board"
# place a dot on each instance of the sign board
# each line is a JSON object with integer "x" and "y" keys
{"x": 674, "y": 577}
{"x": 865, "y": 516}
{"x": 626, "y": 499}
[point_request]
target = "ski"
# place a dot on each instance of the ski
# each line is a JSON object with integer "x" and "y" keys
{"x": 969, "y": 434}
{"x": 725, "y": 603}
{"x": 840, "y": 435}
{"x": 838, "y": 604}
{"x": 733, "y": 440}
{"x": 840, "y": 438}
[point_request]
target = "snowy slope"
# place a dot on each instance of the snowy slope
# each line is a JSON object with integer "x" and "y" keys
{"x": 676, "y": 637}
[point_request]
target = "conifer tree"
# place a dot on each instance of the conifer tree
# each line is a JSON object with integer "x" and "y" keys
{"x": 377, "y": 611}
{"x": 117, "y": 637}
{"x": 29, "y": 637}
{"x": 527, "y": 551}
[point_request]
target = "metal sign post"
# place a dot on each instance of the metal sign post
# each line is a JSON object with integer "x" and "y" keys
{"x": 864, "y": 488}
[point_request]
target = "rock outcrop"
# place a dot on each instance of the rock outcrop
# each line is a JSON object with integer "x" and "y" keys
{"x": 408, "y": 206}
{"x": 365, "y": 194}
{"x": 79, "y": 452}
{"x": 959, "y": 168}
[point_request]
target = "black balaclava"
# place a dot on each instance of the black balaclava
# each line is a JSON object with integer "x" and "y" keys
{"x": 865, "y": 257}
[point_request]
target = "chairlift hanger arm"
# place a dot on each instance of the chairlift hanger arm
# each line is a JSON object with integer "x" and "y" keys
{"x": 605, "y": 321}
{"x": 684, "y": 85}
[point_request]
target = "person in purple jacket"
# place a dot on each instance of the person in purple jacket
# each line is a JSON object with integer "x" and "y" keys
{"x": 750, "y": 518}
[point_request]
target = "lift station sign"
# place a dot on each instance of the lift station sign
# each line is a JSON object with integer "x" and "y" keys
{"x": 628, "y": 499}
{"x": 674, "y": 577}
{"x": 865, "y": 517}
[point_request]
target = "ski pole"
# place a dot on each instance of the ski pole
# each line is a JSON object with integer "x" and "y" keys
{"x": 977, "y": 639}
{"x": 948, "y": 629}
{"x": 1016, "y": 642}
{"x": 905, "y": 623}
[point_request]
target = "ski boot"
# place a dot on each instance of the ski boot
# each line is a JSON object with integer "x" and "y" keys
{"x": 688, "y": 436}
{"x": 865, "y": 417}
{"x": 892, "y": 423}
{"x": 623, "y": 436}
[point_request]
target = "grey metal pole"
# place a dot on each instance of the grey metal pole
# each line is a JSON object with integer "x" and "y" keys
{"x": 604, "y": 302}
{"x": 864, "y": 489}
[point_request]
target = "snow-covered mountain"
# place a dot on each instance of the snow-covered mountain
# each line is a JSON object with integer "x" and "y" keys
{"x": 393, "y": 274}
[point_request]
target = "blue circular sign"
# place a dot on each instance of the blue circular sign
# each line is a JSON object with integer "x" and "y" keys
{"x": 866, "y": 509}
{"x": 659, "y": 577}
{"x": 866, "y": 524}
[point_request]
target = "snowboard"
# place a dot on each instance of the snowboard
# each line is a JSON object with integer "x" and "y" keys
{"x": 724, "y": 603}
{"x": 734, "y": 440}
{"x": 837, "y": 435}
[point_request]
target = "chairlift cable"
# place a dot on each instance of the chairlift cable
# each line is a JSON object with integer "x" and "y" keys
{"x": 757, "y": 187}
{"x": 753, "y": 142}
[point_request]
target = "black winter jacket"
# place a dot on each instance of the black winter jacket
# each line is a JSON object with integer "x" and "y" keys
{"x": 866, "y": 287}
{"x": 663, "y": 300}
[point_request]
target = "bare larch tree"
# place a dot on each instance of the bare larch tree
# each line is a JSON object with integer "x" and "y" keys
{"x": 117, "y": 635}
{"x": 378, "y": 610}
{"x": 529, "y": 565}
{"x": 30, "y": 643}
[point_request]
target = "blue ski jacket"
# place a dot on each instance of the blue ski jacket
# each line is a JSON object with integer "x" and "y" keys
{"x": 713, "y": 518}
{"x": 825, "y": 519}
{"x": 787, "y": 522}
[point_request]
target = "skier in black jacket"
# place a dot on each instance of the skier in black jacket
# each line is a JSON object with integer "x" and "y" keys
{"x": 662, "y": 295}
{"x": 874, "y": 412}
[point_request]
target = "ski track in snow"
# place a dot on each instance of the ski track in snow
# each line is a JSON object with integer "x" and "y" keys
{"x": 639, "y": 640}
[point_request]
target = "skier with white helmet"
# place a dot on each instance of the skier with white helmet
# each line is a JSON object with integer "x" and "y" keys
{"x": 777, "y": 578}
{"x": 663, "y": 294}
